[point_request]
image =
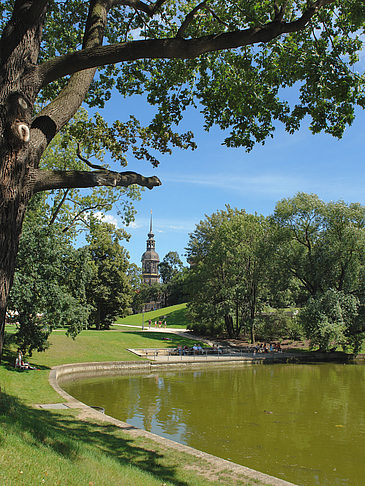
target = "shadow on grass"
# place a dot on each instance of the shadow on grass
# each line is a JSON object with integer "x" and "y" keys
{"x": 172, "y": 339}
{"x": 8, "y": 361}
{"x": 67, "y": 435}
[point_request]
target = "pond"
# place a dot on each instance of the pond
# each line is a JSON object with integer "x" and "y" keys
{"x": 301, "y": 422}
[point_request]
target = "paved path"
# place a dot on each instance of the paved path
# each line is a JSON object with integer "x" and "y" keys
{"x": 179, "y": 331}
{"x": 153, "y": 328}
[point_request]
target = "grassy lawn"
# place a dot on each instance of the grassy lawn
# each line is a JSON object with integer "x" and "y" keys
{"x": 58, "y": 448}
{"x": 110, "y": 345}
{"x": 175, "y": 317}
{"x": 32, "y": 386}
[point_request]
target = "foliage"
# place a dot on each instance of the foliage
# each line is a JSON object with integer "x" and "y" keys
{"x": 49, "y": 289}
{"x": 177, "y": 289}
{"x": 170, "y": 266}
{"x": 173, "y": 275}
{"x": 277, "y": 325}
{"x": 227, "y": 252}
{"x": 329, "y": 320}
{"x": 322, "y": 245}
{"x": 71, "y": 208}
{"x": 109, "y": 292}
{"x": 309, "y": 254}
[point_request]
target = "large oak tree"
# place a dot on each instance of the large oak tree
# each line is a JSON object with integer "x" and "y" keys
{"x": 232, "y": 57}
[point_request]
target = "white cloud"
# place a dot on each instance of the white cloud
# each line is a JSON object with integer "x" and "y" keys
{"x": 134, "y": 225}
{"x": 107, "y": 218}
{"x": 265, "y": 183}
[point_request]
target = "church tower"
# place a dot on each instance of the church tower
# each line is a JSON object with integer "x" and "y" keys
{"x": 150, "y": 260}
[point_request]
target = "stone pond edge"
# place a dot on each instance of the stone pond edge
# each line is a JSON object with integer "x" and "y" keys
{"x": 114, "y": 367}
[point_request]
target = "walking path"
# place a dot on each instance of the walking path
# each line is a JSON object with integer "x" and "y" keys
{"x": 152, "y": 328}
{"x": 179, "y": 331}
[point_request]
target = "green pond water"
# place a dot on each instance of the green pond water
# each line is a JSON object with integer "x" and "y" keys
{"x": 304, "y": 422}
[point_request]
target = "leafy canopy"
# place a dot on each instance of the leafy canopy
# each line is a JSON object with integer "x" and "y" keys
{"x": 245, "y": 90}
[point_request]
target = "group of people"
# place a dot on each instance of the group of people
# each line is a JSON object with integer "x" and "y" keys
{"x": 264, "y": 348}
{"x": 183, "y": 350}
{"x": 159, "y": 323}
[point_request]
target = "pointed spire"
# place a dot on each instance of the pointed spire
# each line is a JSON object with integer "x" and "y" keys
{"x": 151, "y": 223}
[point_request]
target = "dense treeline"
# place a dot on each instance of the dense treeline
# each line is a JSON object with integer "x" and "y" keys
{"x": 297, "y": 273}
{"x": 308, "y": 255}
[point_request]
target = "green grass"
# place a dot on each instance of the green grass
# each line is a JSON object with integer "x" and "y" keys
{"x": 175, "y": 317}
{"x": 58, "y": 448}
{"x": 110, "y": 345}
{"x": 88, "y": 346}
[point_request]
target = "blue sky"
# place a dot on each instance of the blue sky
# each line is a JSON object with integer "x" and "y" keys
{"x": 200, "y": 182}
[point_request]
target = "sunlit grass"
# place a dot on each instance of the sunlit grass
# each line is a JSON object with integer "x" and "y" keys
{"x": 175, "y": 317}
{"x": 56, "y": 448}
{"x": 110, "y": 345}
{"x": 89, "y": 345}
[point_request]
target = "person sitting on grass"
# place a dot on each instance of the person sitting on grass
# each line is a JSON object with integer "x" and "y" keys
{"x": 21, "y": 364}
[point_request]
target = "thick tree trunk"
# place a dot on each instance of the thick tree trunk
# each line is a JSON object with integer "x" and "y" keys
{"x": 13, "y": 203}
{"x": 229, "y": 325}
{"x": 19, "y": 49}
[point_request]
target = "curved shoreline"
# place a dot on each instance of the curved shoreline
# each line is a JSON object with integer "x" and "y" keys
{"x": 115, "y": 367}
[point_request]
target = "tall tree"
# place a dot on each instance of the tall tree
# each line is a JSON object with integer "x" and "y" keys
{"x": 322, "y": 244}
{"x": 173, "y": 278}
{"x": 170, "y": 266}
{"x": 228, "y": 255}
{"x": 50, "y": 283}
{"x": 322, "y": 247}
{"x": 231, "y": 57}
{"x": 109, "y": 293}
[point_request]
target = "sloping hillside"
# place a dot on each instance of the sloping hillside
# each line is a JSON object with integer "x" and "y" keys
{"x": 175, "y": 316}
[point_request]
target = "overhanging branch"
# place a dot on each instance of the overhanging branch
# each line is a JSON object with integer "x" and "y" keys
{"x": 149, "y": 9}
{"x": 173, "y": 48}
{"x": 189, "y": 18}
{"x": 45, "y": 180}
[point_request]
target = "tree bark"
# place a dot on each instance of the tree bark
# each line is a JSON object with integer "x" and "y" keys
{"x": 19, "y": 48}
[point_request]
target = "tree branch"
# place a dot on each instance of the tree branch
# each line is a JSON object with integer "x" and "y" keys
{"x": 217, "y": 18}
{"x": 173, "y": 48}
{"x": 189, "y": 18}
{"x": 26, "y": 15}
{"x": 280, "y": 11}
{"x": 58, "y": 208}
{"x": 44, "y": 180}
{"x": 87, "y": 162}
{"x": 55, "y": 115}
{"x": 77, "y": 217}
{"x": 149, "y": 9}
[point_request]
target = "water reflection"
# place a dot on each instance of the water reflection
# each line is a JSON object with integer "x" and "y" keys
{"x": 303, "y": 423}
